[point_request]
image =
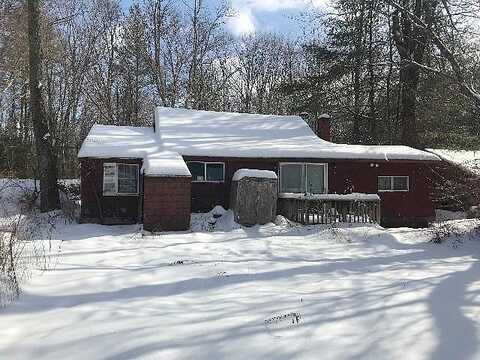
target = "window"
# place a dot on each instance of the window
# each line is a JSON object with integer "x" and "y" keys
{"x": 206, "y": 171}
{"x": 120, "y": 179}
{"x": 291, "y": 176}
{"x": 197, "y": 169}
{"x": 214, "y": 172}
{"x": 393, "y": 183}
{"x": 303, "y": 178}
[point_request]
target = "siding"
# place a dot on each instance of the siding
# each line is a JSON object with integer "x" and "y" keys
{"x": 106, "y": 209}
{"x": 414, "y": 207}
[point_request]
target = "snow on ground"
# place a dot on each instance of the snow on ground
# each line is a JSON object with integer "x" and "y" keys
{"x": 266, "y": 292}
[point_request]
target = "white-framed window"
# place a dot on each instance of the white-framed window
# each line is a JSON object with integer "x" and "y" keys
{"x": 309, "y": 178}
{"x": 207, "y": 171}
{"x": 120, "y": 179}
{"x": 393, "y": 183}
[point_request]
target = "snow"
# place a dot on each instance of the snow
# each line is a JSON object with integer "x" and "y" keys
{"x": 107, "y": 141}
{"x": 332, "y": 197}
{"x": 262, "y": 174}
{"x": 266, "y": 292}
{"x": 221, "y": 134}
{"x": 469, "y": 160}
{"x": 165, "y": 163}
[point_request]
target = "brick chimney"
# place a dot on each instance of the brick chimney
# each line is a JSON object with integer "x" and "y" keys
{"x": 320, "y": 126}
{"x": 323, "y": 129}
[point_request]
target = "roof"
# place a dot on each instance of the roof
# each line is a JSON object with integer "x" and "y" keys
{"x": 164, "y": 163}
{"x": 108, "y": 141}
{"x": 222, "y": 134}
{"x": 468, "y": 160}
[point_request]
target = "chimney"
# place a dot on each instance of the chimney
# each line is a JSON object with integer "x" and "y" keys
{"x": 323, "y": 129}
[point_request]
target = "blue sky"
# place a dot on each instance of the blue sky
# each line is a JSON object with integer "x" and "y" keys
{"x": 253, "y": 16}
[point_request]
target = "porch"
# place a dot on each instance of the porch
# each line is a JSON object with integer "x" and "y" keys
{"x": 330, "y": 208}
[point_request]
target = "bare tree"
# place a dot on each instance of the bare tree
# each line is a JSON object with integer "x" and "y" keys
{"x": 47, "y": 160}
{"x": 424, "y": 25}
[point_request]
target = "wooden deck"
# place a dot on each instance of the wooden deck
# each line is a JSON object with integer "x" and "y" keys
{"x": 330, "y": 208}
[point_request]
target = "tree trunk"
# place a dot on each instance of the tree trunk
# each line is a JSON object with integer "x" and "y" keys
{"x": 47, "y": 162}
{"x": 357, "y": 137}
{"x": 409, "y": 77}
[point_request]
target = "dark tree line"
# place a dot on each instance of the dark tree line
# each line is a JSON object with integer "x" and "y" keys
{"x": 390, "y": 72}
{"x": 397, "y": 72}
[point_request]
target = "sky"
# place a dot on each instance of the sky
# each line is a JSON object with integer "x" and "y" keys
{"x": 280, "y": 16}
{"x": 253, "y": 16}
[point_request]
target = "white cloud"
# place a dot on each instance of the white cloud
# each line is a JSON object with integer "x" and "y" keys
{"x": 275, "y": 5}
{"x": 242, "y": 22}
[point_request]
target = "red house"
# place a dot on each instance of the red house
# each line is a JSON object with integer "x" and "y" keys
{"x": 159, "y": 175}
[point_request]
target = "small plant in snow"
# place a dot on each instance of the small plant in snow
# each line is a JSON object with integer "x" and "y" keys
{"x": 292, "y": 318}
{"x": 338, "y": 235}
{"x": 25, "y": 237}
{"x": 454, "y": 232}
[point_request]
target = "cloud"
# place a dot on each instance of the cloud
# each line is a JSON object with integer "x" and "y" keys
{"x": 242, "y": 22}
{"x": 275, "y": 5}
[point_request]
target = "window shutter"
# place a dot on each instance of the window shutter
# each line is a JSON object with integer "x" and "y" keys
{"x": 109, "y": 178}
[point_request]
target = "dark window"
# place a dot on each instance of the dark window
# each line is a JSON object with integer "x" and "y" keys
{"x": 393, "y": 183}
{"x": 120, "y": 179}
{"x": 315, "y": 178}
{"x": 291, "y": 178}
{"x": 206, "y": 172}
{"x": 214, "y": 172}
{"x": 384, "y": 183}
{"x": 127, "y": 179}
{"x": 303, "y": 178}
{"x": 197, "y": 169}
{"x": 400, "y": 183}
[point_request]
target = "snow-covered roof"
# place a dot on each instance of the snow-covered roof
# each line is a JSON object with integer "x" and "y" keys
{"x": 108, "y": 141}
{"x": 468, "y": 160}
{"x": 221, "y": 134}
{"x": 164, "y": 163}
{"x": 253, "y": 173}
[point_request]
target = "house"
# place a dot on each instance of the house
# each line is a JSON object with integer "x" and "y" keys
{"x": 185, "y": 164}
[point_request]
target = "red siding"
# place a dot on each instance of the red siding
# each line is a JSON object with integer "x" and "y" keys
{"x": 105, "y": 209}
{"x": 398, "y": 208}
{"x": 167, "y": 201}
{"x": 206, "y": 195}
{"x": 414, "y": 207}
{"x": 166, "y": 205}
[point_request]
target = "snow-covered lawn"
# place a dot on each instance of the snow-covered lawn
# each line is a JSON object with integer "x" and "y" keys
{"x": 270, "y": 292}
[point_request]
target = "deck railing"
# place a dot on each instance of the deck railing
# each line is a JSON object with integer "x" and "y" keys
{"x": 330, "y": 208}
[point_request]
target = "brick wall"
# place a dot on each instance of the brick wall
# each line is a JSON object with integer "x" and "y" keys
{"x": 167, "y": 203}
